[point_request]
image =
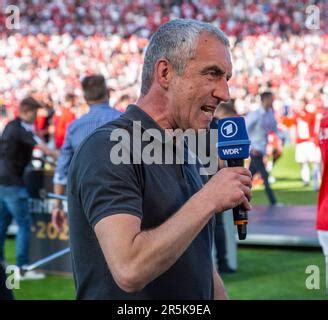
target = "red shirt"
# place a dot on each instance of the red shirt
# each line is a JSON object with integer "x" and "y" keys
{"x": 304, "y": 123}
{"x": 322, "y": 212}
{"x": 40, "y": 122}
{"x": 61, "y": 123}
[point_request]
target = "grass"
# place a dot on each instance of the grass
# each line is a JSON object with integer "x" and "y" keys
{"x": 288, "y": 188}
{"x": 51, "y": 288}
{"x": 277, "y": 274}
{"x": 263, "y": 273}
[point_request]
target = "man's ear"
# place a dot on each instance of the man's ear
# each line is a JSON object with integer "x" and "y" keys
{"x": 163, "y": 73}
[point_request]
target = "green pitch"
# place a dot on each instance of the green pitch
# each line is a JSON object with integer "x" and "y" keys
{"x": 288, "y": 187}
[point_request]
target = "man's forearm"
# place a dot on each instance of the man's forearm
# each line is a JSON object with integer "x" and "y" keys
{"x": 49, "y": 152}
{"x": 158, "y": 249}
{"x": 59, "y": 189}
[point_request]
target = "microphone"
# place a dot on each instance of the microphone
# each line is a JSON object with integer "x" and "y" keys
{"x": 233, "y": 146}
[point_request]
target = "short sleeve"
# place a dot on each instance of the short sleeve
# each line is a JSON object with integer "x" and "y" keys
{"x": 105, "y": 188}
{"x": 64, "y": 160}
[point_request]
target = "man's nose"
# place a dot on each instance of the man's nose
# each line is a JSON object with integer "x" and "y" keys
{"x": 221, "y": 91}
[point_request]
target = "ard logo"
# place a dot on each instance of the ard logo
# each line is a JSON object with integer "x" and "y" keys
{"x": 229, "y": 129}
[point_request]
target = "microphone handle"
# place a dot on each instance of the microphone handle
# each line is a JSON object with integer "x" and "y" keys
{"x": 240, "y": 215}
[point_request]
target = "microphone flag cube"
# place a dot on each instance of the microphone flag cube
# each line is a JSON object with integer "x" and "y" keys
{"x": 233, "y": 140}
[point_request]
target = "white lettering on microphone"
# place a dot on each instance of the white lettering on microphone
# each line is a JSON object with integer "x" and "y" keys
{"x": 229, "y": 152}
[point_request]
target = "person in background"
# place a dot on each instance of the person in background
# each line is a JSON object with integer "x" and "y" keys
{"x": 307, "y": 153}
{"x": 259, "y": 123}
{"x": 44, "y": 117}
{"x": 17, "y": 143}
{"x": 3, "y": 116}
{"x": 96, "y": 95}
{"x": 274, "y": 152}
{"x": 63, "y": 118}
{"x": 322, "y": 209}
{"x": 5, "y": 293}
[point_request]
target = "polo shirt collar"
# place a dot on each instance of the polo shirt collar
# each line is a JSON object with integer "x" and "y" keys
{"x": 97, "y": 106}
{"x": 27, "y": 126}
{"x": 135, "y": 113}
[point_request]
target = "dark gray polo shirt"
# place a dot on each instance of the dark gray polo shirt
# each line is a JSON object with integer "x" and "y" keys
{"x": 98, "y": 188}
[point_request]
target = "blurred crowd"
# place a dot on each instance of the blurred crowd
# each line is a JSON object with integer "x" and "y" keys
{"x": 60, "y": 42}
{"x": 142, "y": 17}
{"x": 53, "y": 65}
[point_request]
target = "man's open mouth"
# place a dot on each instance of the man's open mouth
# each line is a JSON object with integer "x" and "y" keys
{"x": 208, "y": 110}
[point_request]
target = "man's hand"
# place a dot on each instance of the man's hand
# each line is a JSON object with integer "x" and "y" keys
{"x": 49, "y": 152}
{"x": 256, "y": 153}
{"x": 58, "y": 218}
{"x": 228, "y": 188}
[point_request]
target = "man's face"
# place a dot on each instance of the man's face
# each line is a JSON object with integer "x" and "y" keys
{"x": 69, "y": 104}
{"x": 30, "y": 116}
{"x": 268, "y": 102}
{"x": 195, "y": 95}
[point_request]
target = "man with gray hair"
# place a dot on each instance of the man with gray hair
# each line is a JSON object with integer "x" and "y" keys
{"x": 145, "y": 231}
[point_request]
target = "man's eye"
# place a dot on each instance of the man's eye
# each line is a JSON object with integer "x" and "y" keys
{"x": 214, "y": 73}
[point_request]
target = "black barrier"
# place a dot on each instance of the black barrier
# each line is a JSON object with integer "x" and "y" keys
{"x": 45, "y": 239}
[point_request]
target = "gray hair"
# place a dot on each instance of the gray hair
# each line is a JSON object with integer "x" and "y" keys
{"x": 175, "y": 41}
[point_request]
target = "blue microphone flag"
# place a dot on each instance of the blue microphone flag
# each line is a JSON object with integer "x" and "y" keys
{"x": 233, "y": 141}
